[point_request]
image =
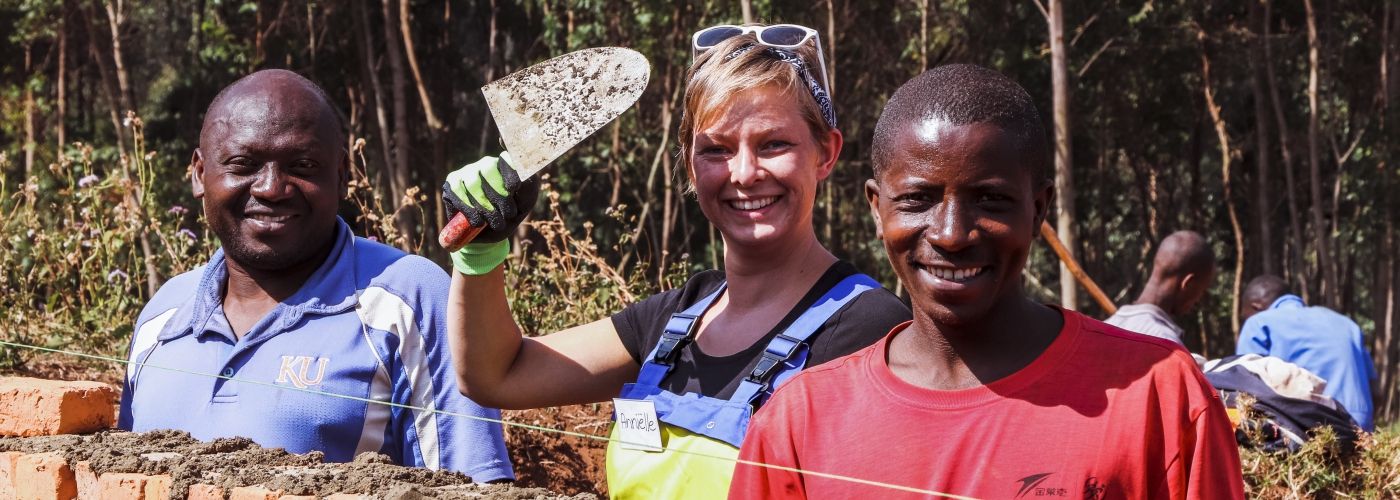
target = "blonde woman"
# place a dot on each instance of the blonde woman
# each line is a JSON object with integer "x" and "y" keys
{"x": 690, "y": 365}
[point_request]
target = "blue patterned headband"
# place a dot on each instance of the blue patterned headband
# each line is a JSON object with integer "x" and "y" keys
{"x": 818, "y": 93}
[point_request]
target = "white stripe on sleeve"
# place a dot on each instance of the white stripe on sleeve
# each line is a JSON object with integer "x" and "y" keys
{"x": 145, "y": 338}
{"x": 382, "y": 310}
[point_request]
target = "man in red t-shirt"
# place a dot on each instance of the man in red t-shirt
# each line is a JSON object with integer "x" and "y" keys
{"x": 986, "y": 393}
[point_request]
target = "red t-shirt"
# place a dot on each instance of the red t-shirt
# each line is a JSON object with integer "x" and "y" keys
{"x": 1102, "y": 413}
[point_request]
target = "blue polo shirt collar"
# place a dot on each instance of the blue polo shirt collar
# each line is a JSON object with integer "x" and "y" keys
{"x": 1288, "y": 300}
{"x": 329, "y": 290}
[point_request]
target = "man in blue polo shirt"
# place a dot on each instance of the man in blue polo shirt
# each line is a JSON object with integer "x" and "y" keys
{"x": 1316, "y": 338}
{"x": 294, "y": 309}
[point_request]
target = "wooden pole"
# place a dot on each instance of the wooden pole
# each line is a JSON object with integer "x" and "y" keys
{"x": 1072, "y": 265}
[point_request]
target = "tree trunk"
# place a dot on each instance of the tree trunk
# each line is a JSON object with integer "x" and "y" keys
{"x": 437, "y": 130}
{"x": 492, "y": 60}
{"x": 1386, "y": 347}
{"x": 1295, "y": 220}
{"x": 831, "y": 49}
{"x": 1328, "y": 293}
{"x": 1264, "y": 210}
{"x": 403, "y": 178}
{"x": 115, "y": 17}
{"x": 435, "y": 126}
{"x": 61, "y": 103}
{"x": 1225, "y": 157}
{"x": 923, "y": 35}
{"x": 1064, "y": 175}
{"x": 371, "y": 73}
{"x": 108, "y": 81}
{"x": 28, "y": 112}
{"x": 746, "y": 7}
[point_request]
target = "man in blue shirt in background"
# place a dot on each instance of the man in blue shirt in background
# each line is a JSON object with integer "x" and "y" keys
{"x": 1316, "y": 338}
{"x": 294, "y": 308}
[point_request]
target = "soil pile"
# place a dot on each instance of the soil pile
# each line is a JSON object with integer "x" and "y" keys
{"x": 234, "y": 462}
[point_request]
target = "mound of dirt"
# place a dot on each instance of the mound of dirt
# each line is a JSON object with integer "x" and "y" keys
{"x": 230, "y": 463}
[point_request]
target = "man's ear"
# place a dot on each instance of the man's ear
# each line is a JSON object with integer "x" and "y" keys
{"x": 831, "y": 151}
{"x": 1186, "y": 281}
{"x": 872, "y": 195}
{"x": 344, "y": 184}
{"x": 197, "y": 174}
{"x": 1044, "y": 197}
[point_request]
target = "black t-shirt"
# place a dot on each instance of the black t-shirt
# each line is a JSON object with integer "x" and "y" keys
{"x": 862, "y": 322}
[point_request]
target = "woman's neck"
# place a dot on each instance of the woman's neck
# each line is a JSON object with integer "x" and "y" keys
{"x": 758, "y": 275}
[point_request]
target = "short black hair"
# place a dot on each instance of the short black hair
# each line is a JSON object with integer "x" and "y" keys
{"x": 1265, "y": 288}
{"x": 964, "y": 94}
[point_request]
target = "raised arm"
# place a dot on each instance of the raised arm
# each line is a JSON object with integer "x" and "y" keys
{"x": 495, "y": 365}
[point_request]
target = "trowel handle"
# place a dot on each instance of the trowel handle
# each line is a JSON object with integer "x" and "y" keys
{"x": 458, "y": 233}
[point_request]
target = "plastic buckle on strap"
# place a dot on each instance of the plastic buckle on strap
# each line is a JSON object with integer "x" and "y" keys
{"x": 679, "y": 329}
{"x": 781, "y": 349}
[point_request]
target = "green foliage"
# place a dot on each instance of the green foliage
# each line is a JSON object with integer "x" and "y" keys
{"x": 78, "y": 249}
{"x": 1319, "y": 470}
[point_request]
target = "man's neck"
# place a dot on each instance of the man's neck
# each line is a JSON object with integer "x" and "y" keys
{"x": 251, "y": 293}
{"x": 954, "y": 357}
{"x": 1158, "y": 294}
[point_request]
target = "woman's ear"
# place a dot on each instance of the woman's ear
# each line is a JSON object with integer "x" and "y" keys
{"x": 831, "y": 151}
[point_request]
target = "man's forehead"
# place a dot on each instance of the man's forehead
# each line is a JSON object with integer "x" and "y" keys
{"x": 274, "y": 109}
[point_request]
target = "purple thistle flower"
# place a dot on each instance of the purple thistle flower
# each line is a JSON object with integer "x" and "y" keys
{"x": 188, "y": 234}
{"x": 177, "y": 210}
{"x": 87, "y": 180}
{"x": 116, "y": 273}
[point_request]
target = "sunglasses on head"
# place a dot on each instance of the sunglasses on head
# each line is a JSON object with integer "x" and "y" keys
{"x": 781, "y": 36}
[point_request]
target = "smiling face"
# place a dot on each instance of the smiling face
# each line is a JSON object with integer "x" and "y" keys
{"x": 271, "y": 171}
{"x": 756, "y": 165}
{"x": 958, "y": 207}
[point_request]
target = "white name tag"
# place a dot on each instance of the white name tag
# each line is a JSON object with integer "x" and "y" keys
{"x": 638, "y": 428}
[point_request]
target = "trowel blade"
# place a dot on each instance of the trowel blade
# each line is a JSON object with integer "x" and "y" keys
{"x": 548, "y": 108}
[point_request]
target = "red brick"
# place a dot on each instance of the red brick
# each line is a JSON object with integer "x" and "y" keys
{"x": 44, "y": 476}
{"x": 158, "y": 487}
{"x": 86, "y": 479}
{"x": 117, "y": 486}
{"x": 205, "y": 492}
{"x": 7, "y": 473}
{"x": 36, "y": 407}
{"x": 254, "y": 493}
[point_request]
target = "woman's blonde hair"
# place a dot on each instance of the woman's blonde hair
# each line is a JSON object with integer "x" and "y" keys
{"x": 719, "y": 74}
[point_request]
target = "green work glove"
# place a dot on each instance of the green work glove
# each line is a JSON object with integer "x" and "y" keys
{"x": 489, "y": 193}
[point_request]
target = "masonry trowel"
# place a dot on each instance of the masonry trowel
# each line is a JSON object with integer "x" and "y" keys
{"x": 546, "y": 109}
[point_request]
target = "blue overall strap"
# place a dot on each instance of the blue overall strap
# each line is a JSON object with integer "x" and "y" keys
{"x": 680, "y": 330}
{"x": 789, "y": 349}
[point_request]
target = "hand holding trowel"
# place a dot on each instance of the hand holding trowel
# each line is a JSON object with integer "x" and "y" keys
{"x": 541, "y": 111}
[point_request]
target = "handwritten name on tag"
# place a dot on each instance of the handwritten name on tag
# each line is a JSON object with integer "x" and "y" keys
{"x": 638, "y": 428}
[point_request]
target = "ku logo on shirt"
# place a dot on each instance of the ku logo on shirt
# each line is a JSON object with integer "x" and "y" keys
{"x": 296, "y": 370}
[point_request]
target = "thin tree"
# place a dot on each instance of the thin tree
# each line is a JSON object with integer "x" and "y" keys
{"x": 1261, "y": 138}
{"x": 1295, "y": 219}
{"x": 1226, "y": 155}
{"x": 1064, "y": 175}
{"x": 1329, "y": 292}
{"x": 402, "y": 177}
